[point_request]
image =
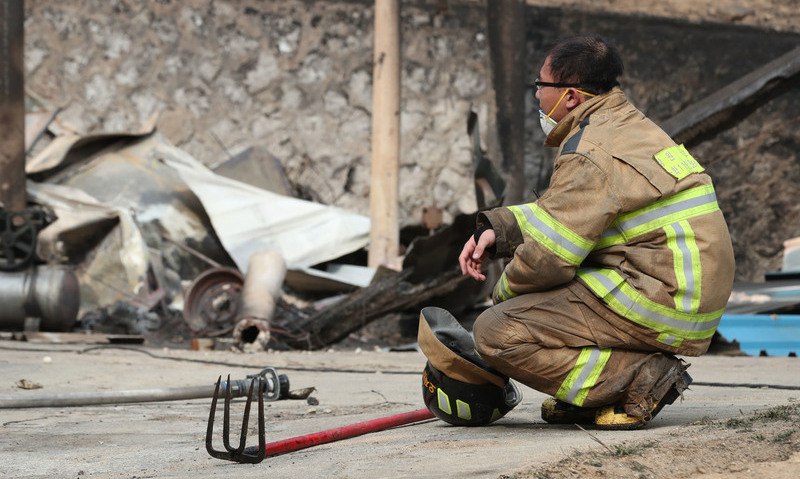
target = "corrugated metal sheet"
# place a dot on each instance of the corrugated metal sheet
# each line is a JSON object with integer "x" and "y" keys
{"x": 770, "y": 334}
{"x": 778, "y": 296}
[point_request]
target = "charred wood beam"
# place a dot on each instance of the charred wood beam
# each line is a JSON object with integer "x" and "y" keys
{"x": 727, "y": 105}
{"x": 507, "y": 39}
{"x": 430, "y": 277}
{"x": 390, "y": 294}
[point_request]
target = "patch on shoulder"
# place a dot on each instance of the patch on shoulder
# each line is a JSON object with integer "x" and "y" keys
{"x": 571, "y": 146}
{"x": 678, "y": 162}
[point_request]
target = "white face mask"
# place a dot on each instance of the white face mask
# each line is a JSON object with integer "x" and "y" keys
{"x": 546, "y": 123}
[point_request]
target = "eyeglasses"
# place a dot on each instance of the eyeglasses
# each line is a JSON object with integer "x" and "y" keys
{"x": 538, "y": 84}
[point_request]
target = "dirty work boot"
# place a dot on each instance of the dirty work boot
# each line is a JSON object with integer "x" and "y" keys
{"x": 620, "y": 417}
{"x": 560, "y": 412}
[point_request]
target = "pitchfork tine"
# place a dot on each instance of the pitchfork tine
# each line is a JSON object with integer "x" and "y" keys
{"x": 210, "y": 429}
{"x": 226, "y": 419}
{"x": 245, "y": 420}
{"x": 250, "y": 455}
{"x": 239, "y": 454}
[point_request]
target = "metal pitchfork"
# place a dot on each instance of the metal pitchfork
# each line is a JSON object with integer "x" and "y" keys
{"x": 258, "y": 383}
{"x": 256, "y": 454}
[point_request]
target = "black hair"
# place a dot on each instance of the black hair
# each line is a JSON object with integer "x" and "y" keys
{"x": 588, "y": 60}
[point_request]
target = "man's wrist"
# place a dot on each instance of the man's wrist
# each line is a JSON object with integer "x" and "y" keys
{"x": 477, "y": 236}
{"x": 478, "y": 232}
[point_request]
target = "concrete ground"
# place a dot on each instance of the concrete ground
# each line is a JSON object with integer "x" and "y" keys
{"x": 166, "y": 439}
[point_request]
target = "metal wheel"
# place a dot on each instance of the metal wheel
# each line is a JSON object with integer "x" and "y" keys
{"x": 212, "y": 302}
{"x": 17, "y": 240}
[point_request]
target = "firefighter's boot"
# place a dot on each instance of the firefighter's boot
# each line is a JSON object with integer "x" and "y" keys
{"x": 636, "y": 412}
{"x": 560, "y": 412}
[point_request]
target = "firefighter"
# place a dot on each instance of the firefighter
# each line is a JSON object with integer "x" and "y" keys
{"x": 622, "y": 264}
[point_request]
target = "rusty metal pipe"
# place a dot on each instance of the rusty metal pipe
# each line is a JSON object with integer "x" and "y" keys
{"x": 263, "y": 283}
{"x": 50, "y": 293}
{"x": 94, "y": 398}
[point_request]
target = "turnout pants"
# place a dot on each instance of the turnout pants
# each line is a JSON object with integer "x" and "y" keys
{"x": 556, "y": 342}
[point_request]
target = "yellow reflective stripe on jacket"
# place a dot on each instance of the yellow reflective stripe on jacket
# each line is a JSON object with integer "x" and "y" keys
{"x": 503, "y": 289}
{"x": 686, "y": 261}
{"x": 632, "y": 305}
{"x": 584, "y": 374}
{"x": 669, "y": 339}
{"x": 546, "y": 230}
{"x": 687, "y": 204}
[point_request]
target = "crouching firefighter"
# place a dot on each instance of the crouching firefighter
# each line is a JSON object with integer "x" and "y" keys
{"x": 622, "y": 264}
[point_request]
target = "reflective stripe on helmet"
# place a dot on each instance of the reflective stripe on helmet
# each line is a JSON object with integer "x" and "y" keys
{"x": 443, "y": 401}
{"x": 584, "y": 374}
{"x": 463, "y": 410}
{"x": 496, "y": 414}
{"x": 632, "y": 305}
{"x": 684, "y": 205}
{"x": 535, "y": 222}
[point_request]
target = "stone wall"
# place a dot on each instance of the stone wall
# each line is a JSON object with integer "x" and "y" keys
{"x": 292, "y": 78}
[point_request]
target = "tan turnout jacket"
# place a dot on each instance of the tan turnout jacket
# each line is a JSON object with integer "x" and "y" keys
{"x": 630, "y": 214}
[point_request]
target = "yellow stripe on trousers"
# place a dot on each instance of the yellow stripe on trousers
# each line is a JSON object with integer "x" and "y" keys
{"x": 583, "y": 376}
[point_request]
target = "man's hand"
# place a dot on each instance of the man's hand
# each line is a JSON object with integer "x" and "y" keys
{"x": 472, "y": 255}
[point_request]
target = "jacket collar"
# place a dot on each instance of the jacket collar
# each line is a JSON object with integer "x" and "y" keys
{"x": 612, "y": 99}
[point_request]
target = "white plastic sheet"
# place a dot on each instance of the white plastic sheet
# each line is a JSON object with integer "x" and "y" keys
{"x": 248, "y": 219}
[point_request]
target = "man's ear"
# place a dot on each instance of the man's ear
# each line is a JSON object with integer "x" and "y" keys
{"x": 573, "y": 99}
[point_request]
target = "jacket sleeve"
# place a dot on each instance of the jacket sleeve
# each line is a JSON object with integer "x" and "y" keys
{"x": 552, "y": 236}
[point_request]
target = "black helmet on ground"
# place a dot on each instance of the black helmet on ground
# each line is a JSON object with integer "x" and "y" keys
{"x": 464, "y": 404}
{"x": 458, "y": 386}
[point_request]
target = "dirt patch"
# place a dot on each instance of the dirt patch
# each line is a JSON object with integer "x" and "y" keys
{"x": 763, "y": 444}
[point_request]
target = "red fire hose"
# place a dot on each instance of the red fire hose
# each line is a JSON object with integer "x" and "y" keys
{"x": 330, "y": 435}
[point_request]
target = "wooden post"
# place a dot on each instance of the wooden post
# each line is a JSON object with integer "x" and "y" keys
{"x": 12, "y": 106}
{"x": 384, "y": 235}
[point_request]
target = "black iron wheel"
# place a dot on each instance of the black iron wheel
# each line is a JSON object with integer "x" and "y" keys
{"x": 17, "y": 240}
